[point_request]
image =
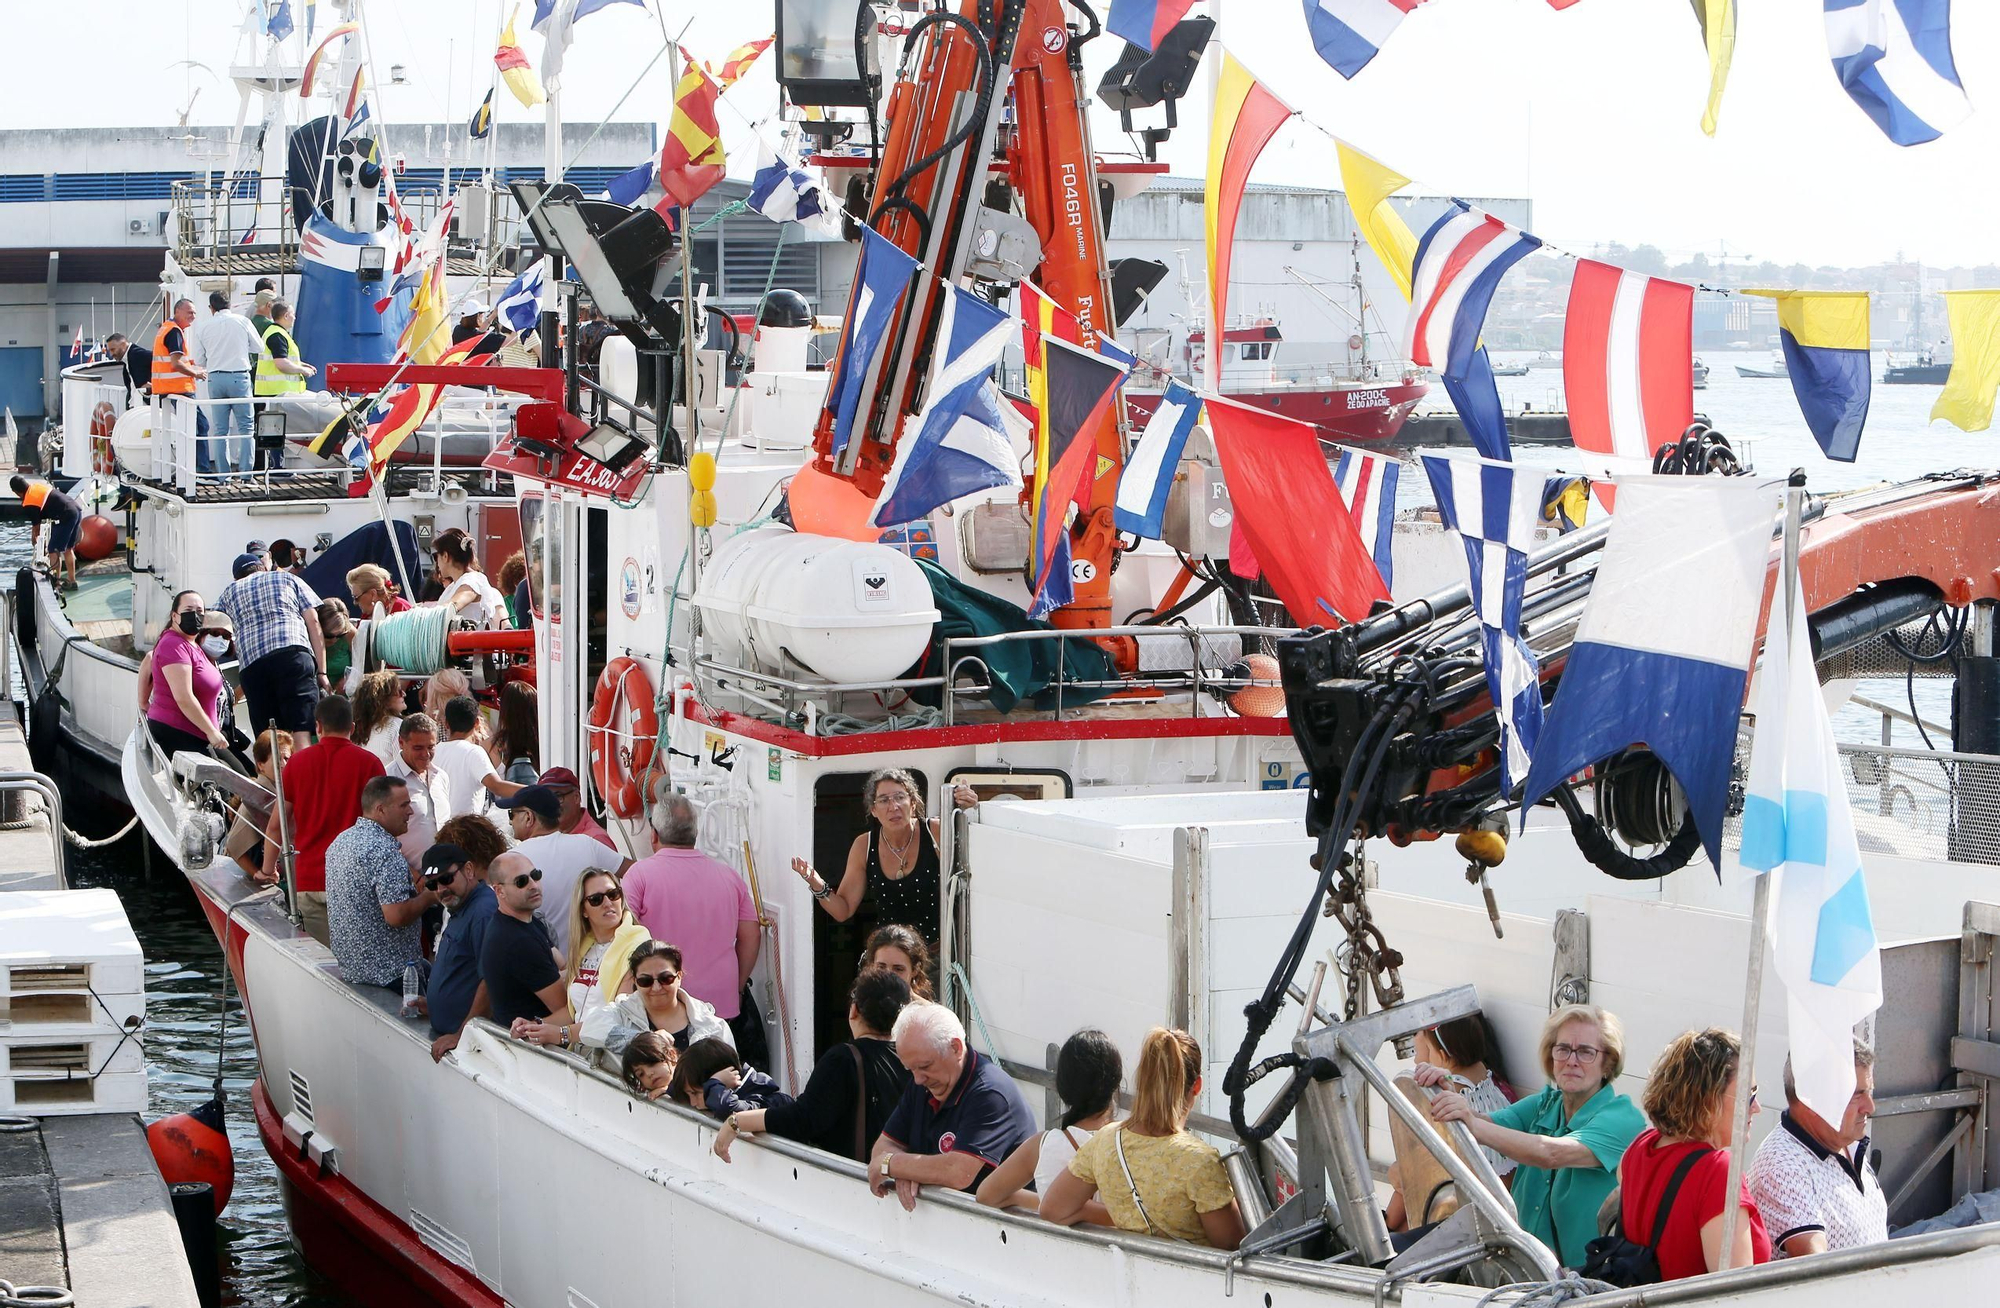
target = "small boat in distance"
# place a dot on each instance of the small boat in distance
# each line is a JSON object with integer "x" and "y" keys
{"x": 1700, "y": 375}
{"x": 1510, "y": 370}
{"x": 1546, "y": 360}
{"x": 1926, "y": 370}
{"x": 1776, "y": 369}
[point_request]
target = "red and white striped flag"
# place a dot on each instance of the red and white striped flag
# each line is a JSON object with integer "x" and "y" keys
{"x": 1628, "y": 360}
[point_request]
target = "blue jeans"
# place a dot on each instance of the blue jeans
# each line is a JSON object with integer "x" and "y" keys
{"x": 233, "y": 386}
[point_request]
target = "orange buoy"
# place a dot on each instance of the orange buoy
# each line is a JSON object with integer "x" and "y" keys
{"x": 194, "y": 1147}
{"x": 1259, "y": 701}
{"x": 623, "y": 681}
{"x": 96, "y": 538}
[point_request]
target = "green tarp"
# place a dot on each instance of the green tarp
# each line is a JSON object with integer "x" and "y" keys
{"x": 1018, "y": 670}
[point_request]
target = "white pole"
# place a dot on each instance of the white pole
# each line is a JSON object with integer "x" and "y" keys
{"x": 1760, "y": 911}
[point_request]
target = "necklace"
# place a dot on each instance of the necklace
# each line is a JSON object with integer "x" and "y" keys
{"x": 901, "y": 852}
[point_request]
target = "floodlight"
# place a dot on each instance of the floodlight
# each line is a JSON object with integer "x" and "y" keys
{"x": 826, "y": 52}
{"x": 270, "y": 429}
{"x": 612, "y": 444}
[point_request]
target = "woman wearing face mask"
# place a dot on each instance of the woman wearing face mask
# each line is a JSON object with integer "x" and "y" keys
{"x": 181, "y": 685}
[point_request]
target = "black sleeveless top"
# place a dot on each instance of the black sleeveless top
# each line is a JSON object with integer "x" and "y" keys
{"x": 913, "y": 898}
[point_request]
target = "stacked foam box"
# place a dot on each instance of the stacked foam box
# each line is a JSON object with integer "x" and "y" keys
{"x": 72, "y": 1002}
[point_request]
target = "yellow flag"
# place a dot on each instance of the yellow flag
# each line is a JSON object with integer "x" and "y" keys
{"x": 1369, "y": 185}
{"x": 430, "y": 335}
{"x": 1718, "y": 33}
{"x": 1967, "y": 399}
{"x": 515, "y": 70}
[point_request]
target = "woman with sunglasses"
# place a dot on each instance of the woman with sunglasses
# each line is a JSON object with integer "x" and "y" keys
{"x": 1566, "y": 1141}
{"x": 656, "y": 1003}
{"x": 1691, "y": 1097}
{"x": 601, "y": 938}
{"x": 894, "y": 862}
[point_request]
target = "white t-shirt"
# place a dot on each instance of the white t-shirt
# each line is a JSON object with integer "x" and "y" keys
{"x": 487, "y": 600}
{"x": 563, "y": 858}
{"x": 467, "y": 766}
{"x": 382, "y": 742}
{"x": 1056, "y": 1153}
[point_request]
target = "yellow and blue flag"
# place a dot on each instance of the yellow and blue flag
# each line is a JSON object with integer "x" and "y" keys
{"x": 1825, "y": 339}
{"x": 482, "y": 118}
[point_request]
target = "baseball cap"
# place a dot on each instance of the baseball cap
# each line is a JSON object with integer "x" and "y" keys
{"x": 443, "y": 856}
{"x": 217, "y": 620}
{"x": 256, "y": 547}
{"x": 559, "y": 777}
{"x": 537, "y": 799}
{"x": 245, "y": 565}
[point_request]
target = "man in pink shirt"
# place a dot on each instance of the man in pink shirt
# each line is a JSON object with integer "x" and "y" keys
{"x": 689, "y": 900}
{"x": 576, "y": 819}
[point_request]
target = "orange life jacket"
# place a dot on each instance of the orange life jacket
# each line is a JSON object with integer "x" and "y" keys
{"x": 37, "y": 495}
{"x": 166, "y": 381}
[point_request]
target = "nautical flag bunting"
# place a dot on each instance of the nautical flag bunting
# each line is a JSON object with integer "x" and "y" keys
{"x": 1967, "y": 399}
{"x": 1628, "y": 360}
{"x": 1245, "y": 117}
{"x": 1459, "y": 264}
{"x": 783, "y": 189}
{"x": 482, "y": 118}
{"x": 1494, "y": 508}
{"x": 1077, "y": 385}
{"x": 1665, "y": 642}
{"x": 881, "y": 279}
{"x": 1148, "y": 476}
{"x": 1893, "y": 57}
{"x": 280, "y": 25}
{"x": 1718, "y": 37}
{"x": 519, "y": 307}
{"x": 1145, "y": 22}
{"x": 739, "y": 61}
{"x": 1369, "y": 184}
{"x": 1368, "y": 487}
{"x": 629, "y": 187}
{"x": 1798, "y": 828}
{"x": 1825, "y": 339}
{"x": 1348, "y": 33}
{"x": 414, "y": 404}
{"x": 1290, "y": 514}
{"x": 691, "y": 158}
{"x": 554, "y": 19}
{"x": 317, "y": 59}
{"x": 515, "y": 70}
{"x": 961, "y": 442}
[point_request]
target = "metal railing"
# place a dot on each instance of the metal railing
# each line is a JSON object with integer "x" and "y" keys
{"x": 45, "y": 786}
{"x": 211, "y": 219}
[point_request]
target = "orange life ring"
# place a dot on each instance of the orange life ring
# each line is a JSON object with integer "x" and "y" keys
{"x": 103, "y": 421}
{"x": 622, "y": 681}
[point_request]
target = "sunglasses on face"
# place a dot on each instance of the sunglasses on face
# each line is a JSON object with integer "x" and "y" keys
{"x": 433, "y": 880}
{"x": 646, "y": 980}
{"x": 597, "y": 897}
{"x": 521, "y": 882}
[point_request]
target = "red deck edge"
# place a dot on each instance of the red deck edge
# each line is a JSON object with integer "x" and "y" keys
{"x": 986, "y": 733}
{"x": 354, "y": 1241}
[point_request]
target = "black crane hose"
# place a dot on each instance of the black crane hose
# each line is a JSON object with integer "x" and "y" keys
{"x": 1605, "y": 855}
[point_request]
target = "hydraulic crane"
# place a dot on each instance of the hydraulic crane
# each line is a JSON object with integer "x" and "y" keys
{"x": 986, "y": 174}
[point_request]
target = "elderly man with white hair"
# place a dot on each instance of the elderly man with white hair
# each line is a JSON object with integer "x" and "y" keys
{"x": 957, "y": 1122}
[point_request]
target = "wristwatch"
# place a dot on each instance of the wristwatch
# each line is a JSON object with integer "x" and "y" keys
{"x": 886, "y": 1175}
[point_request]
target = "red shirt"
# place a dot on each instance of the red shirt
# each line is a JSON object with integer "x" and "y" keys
{"x": 1643, "y": 1176}
{"x": 323, "y": 783}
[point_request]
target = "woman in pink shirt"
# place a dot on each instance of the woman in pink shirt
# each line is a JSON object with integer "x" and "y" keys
{"x": 183, "y": 686}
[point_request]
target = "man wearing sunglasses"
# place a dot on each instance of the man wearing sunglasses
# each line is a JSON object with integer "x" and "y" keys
{"x": 516, "y": 964}
{"x": 536, "y": 816}
{"x": 456, "y": 993}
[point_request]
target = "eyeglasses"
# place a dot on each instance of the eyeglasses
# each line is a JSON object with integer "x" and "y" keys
{"x": 646, "y": 980}
{"x": 1579, "y": 1053}
{"x": 521, "y": 882}
{"x": 596, "y": 898}
{"x": 432, "y": 880}
{"x": 890, "y": 801}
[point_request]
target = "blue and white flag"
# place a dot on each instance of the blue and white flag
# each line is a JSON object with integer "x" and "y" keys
{"x": 1348, "y": 33}
{"x": 627, "y": 188}
{"x": 1664, "y": 645}
{"x": 1894, "y": 58}
{"x": 1149, "y": 472}
{"x": 881, "y": 279}
{"x": 519, "y": 307}
{"x": 961, "y": 444}
{"x": 1494, "y": 508}
{"x": 1459, "y": 264}
{"x": 1798, "y": 828}
{"x": 279, "y": 24}
{"x": 352, "y": 125}
{"x": 553, "y": 19}
{"x": 1368, "y": 485}
{"x": 784, "y": 190}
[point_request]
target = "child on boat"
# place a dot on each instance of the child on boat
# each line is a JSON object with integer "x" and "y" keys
{"x": 649, "y": 1064}
{"x": 712, "y": 1076}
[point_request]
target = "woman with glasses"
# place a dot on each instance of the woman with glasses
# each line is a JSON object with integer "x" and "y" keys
{"x": 894, "y": 862}
{"x": 601, "y": 938}
{"x": 656, "y": 1003}
{"x": 1566, "y": 1141}
{"x": 1691, "y": 1097}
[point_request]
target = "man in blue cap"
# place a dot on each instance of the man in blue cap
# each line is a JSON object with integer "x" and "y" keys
{"x": 279, "y": 646}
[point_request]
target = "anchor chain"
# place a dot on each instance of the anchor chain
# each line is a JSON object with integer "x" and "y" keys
{"x": 1366, "y": 956}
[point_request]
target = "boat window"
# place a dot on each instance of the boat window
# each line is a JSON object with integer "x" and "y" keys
{"x": 839, "y": 815}
{"x": 534, "y": 544}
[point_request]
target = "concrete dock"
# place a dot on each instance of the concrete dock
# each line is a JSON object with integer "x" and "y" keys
{"x": 82, "y": 1204}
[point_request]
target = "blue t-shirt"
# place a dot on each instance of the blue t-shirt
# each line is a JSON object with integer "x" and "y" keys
{"x": 455, "y": 969}
{"x": 517, "y": 966}
{"x": 984, "y": 1115}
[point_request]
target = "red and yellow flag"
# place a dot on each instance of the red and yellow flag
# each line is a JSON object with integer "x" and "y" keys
{"x": 691, "y": 160}
{"x": 416, "y": 403}
{"x": 1245, "y": 117}
{"x": 318, "y": 56}
{"x": 512, "y": 61}
{"x": 739, "y": 61}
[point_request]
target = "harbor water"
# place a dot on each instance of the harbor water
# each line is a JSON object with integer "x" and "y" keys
{"x": 193, "y": 1034}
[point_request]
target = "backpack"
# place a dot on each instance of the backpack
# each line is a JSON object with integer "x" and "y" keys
{"x": 1625, "y": 1263}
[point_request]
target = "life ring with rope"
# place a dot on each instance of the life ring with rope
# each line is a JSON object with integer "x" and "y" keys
{"x": 623, "y": 682}
{"x": 103, "y": 421}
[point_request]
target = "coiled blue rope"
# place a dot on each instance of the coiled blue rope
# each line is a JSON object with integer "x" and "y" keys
{"x": 414, "y": 640}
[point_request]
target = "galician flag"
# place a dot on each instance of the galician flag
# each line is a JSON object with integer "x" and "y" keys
{"x": 1798, "y": 829}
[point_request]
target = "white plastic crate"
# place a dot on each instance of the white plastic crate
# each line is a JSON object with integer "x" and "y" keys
{"x": 114, "y": 1092}
{"x": 55, "y": 942}
{"x": 58, "y": 1057}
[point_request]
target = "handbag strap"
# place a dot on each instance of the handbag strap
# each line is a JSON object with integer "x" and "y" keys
{"x": 1118, "y": 1141}
{"x": 860, "y": 1103}
{"x": 1673, "y": 1189}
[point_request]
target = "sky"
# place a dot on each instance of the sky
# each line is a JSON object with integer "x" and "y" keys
{"x": 1592, "y": 112}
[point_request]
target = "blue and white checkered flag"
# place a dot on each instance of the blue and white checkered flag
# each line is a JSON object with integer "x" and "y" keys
{"x": 520, "y": 305}
{"x": 784, "y": 190}
{"x": 1798, "y": 828}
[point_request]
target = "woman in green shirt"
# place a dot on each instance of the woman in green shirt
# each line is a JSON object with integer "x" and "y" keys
{"x": 1568, "y": 1140}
